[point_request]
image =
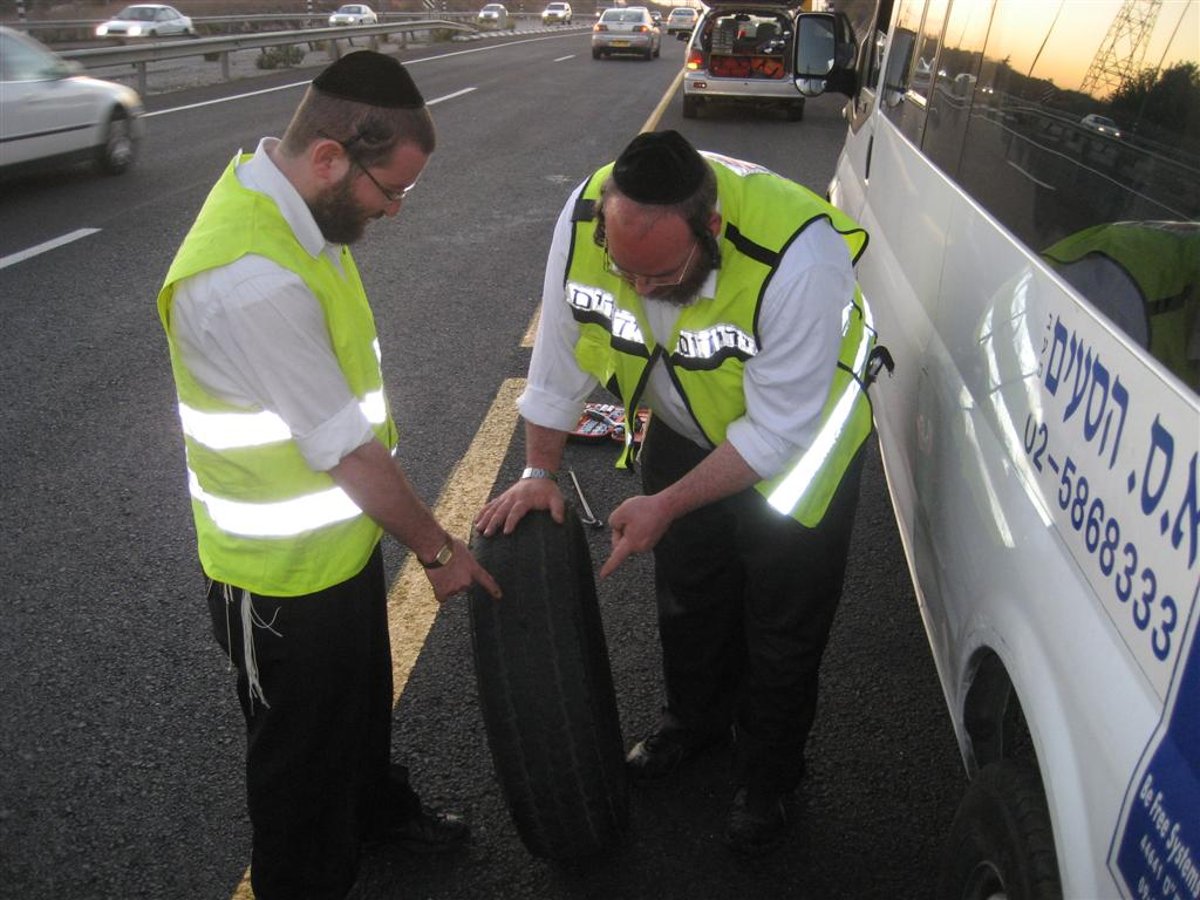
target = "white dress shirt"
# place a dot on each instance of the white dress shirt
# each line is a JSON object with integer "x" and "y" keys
{"x": 253, "y": 334}
{"x": 786, "y": 383}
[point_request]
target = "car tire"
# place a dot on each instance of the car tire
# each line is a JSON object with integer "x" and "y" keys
{"x": 795, "y": 110}
{"x": 1001, "y": 842}
{"x": 115, "y": 154}
{"x": 691, "y": 107}
{"x": 546, "y": 690}
{"x": 595, "y": 54}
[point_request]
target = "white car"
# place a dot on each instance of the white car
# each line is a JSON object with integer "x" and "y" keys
{"x": 354, "y": 14}
{"x": 493, "y": 15}
{"x": 1102, "y": 124}
{"x": 51, "y": 113}
{"x": 557, "y": 14}
{"x": 146, "y": 20}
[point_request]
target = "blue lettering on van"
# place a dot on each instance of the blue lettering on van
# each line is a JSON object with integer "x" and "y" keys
{"x": 1086, "y": 376}
{"x": 1100, "y": 404}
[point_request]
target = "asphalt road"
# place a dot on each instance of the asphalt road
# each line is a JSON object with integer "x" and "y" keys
{"x": 120, "y": 739}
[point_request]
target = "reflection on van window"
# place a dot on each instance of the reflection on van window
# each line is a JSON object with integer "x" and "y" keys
{"x": 1061, "y": 118}
{"x": 1145, "y": 277}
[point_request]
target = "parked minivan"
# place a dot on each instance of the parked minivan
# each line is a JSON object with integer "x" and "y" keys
{"x": 1037, "y": 283}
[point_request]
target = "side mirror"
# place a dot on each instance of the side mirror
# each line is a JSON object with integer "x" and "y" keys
{"x": 826, "y": 52}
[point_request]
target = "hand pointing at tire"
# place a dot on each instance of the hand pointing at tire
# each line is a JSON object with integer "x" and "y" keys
{"x": 637, "y": 525}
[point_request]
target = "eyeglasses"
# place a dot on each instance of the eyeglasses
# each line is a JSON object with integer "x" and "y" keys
{"x": 347, "y": 145}
{"x": 651, "y": 281}
{"x": 389, "y": 196}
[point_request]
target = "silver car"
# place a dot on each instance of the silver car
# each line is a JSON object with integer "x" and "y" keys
{"x": 146, "y": 20}
{"x": 51, "y": 113}
{"x": 742, "y": 52}
{"x": 354, "y": 14}
{"x": 494, "y": 15}
{"x": 626, "y": 30}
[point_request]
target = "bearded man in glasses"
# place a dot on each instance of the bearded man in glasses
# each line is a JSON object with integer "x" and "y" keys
{"x": 721, "y": 296}
{"x": 290, "y": 461}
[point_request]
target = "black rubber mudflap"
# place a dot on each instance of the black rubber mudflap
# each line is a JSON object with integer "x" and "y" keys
{"x": 546, "y": 689}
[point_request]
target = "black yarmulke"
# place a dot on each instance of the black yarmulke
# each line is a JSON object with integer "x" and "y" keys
{"x": 371, "y": 78}
{"x": 659, "y": 167}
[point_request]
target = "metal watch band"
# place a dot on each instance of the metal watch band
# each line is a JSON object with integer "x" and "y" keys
{"x": 443, "y": 556}
{"x": 535, "y": 472}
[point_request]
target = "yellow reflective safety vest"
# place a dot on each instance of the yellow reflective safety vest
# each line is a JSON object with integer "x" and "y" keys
{"x": 1162, "y": 259}
{"x": 762, "y": 214}
{"x": 265, "y": 521}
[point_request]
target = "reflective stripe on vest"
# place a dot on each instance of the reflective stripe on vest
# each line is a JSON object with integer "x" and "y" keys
{"x": 229, "y": 430}
{"x": 789, "y": 489}
{"x": 285, "y": 518}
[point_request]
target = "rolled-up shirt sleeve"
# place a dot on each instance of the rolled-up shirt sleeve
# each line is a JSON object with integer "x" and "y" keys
{"x": 800, "y": 324}
{"x": 253, "y": 334}
{"x": 557, "y": 387}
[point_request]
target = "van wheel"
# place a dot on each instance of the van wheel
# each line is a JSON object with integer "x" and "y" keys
{"x": 691, "y": 107}
{"x": 795, "y": 110}
{"x": 1001, "y": 843}
{"x": 546, "y": 691}
{"x": 116, "y": 153}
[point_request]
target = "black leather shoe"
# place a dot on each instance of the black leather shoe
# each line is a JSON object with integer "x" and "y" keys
{"x": 427, "y": 831}
{"x": 757, "y": 821}
{"x": 661, "y": 754}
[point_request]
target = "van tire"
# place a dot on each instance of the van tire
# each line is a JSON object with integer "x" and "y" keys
{"x": 1001, "y": 841}
{"x": 795, "y": 110}
{"x": 546, "y": 690}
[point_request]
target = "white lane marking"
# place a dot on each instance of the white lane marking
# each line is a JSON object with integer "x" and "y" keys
{"x": 561, "y": 58}
{"x": 22, "y": 255}
{"x": 438, "y": 100}
{"x": 282, "y": 87}
{"x": 301, "y": 84}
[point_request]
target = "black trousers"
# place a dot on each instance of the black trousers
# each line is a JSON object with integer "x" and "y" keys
{"x": 318, "y": 743}
{"x": 746, "y": 599}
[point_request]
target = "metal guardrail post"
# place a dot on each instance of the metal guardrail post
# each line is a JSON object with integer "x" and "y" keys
{"x": 141, "y": 78}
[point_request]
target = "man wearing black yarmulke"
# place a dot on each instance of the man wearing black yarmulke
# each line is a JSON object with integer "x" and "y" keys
{"x": 293, "y": 481}
{"x": 722, "y": 297}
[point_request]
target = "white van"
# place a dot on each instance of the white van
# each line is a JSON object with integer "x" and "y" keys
{"x": 1037, "y": 280}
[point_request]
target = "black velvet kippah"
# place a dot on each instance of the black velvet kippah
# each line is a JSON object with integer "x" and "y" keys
{"x": 659, "y": 168}
{"x": 372, "y": 78}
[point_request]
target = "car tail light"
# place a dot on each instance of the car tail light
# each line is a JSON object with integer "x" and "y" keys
{"x": 695, "y": 59}
{"x": 642, "y": 28}
{"x": 599, "y": 27}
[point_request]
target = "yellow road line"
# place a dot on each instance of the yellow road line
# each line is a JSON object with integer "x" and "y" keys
{"x": 411, "y": 604}
{"x": 652, "y": 122}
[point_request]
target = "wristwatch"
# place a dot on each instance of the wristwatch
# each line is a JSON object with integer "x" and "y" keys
{"x": 535, "y": 472}
{"x": 443, "y": 556}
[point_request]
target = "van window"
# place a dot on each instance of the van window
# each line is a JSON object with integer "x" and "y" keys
{"x": 1030, "y": 112}
{"x": 958, "y": 73}
{"x": 911, "y": 67}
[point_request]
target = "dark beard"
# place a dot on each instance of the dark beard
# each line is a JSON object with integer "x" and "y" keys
{"x": 684, "y": 293}
{"x": 338, "y": 214}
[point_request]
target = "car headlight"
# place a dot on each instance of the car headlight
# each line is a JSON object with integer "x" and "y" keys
{"x": 101, "y": 30}
{"x": 135, "y": 30}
